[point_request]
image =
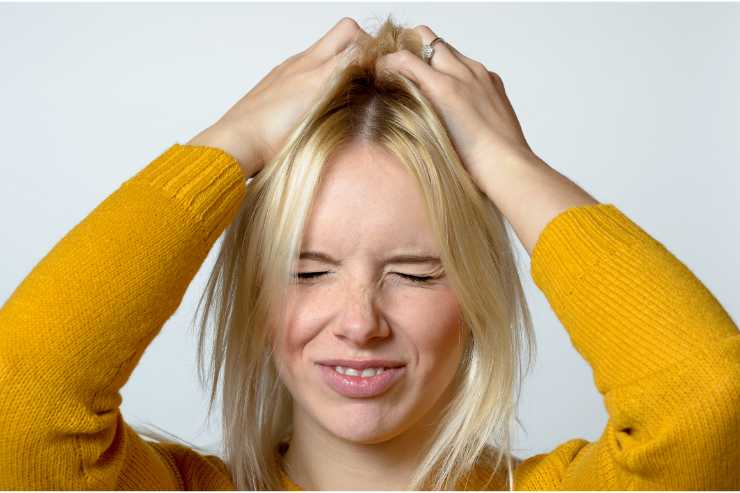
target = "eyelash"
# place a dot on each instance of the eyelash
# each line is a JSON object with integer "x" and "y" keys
{"x": 416, "y": 279}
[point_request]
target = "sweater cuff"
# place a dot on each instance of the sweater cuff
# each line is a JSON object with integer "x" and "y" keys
{"x": 206, "y": 181}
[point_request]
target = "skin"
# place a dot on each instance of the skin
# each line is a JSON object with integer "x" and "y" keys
{"x": 368, "y": 208}
{"x": 473, "y": 105}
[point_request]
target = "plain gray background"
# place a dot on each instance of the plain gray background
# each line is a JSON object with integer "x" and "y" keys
{"x": 635, "y": 102}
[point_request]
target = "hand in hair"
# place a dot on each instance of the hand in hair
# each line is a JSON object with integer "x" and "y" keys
{"x": 469, "y": 98}
{"x": 260, "y": 122}
{"x": 488, "y": 138}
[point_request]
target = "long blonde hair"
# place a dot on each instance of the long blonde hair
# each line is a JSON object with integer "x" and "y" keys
{"x": 252, "y": 272}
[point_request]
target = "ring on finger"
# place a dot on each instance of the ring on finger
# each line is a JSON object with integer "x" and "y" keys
{"x": 427, "y": 50}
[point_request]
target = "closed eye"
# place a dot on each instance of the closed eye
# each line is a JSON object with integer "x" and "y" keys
{"x": 308, "y": 275}
{"x": 314, "y": 275}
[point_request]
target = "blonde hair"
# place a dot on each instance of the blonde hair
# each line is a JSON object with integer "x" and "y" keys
{"x": 252, "y": 272}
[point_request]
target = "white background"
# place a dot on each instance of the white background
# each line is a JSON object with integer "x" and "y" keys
{"x": 637, "y": 103}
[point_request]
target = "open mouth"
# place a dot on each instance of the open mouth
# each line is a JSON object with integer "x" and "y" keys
{"x": 350, "y": 382}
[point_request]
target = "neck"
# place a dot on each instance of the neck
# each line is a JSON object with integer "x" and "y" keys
{"x": 318, "y": 460}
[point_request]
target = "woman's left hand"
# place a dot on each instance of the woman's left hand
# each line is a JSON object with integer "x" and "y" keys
{"x": 471, "y": 101}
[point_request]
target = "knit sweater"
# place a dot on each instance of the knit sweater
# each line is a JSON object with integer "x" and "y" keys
{"x": 664, "y": 353}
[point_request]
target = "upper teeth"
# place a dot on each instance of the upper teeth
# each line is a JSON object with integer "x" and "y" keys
{"x": 367, "y": 372}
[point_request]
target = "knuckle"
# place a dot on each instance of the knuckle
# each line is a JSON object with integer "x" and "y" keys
{"x": 403, "y": 56}
{"x": 447, "y": 46}
{"x": 480, "y": 69}
{"x": 348, "y": 24}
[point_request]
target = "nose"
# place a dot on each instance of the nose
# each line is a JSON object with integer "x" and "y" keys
{"x": 360, "y": 321}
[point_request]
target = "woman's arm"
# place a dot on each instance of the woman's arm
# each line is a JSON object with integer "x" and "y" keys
{"x": 529, "y": 193}
{"x": 664, "y": 353}
{"x": 75, "y": 328}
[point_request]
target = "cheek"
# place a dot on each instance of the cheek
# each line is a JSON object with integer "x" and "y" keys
{"x": 287, "y": 350}
{"x": 433, "y": 327}
{"x": 303, "y": 319}
{"x": 297, "y": 329}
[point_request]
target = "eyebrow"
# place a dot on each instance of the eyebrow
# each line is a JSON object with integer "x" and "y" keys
{"x": 395, "y": 259}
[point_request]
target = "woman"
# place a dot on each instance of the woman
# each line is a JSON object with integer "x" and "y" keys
{"x": 369, "y": 318}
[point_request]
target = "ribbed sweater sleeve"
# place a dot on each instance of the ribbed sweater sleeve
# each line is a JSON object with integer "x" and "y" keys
{"x": 77, "y": 325}
{"x": 665, "y": 356}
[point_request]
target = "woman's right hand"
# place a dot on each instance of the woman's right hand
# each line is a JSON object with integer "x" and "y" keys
{"x": 257, "y": 126}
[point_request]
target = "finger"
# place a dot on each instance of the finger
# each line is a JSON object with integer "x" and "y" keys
{"x": 411, "y": 66}
{"x": 505, "y": 97}
{"x": 445, "y": 57}
{"x": 451, "y": 60}
{"x": 337, "y": 39}
{"x": 466, "y": 60}
{"x": 497, "y": 80}
{"x": 341, "y": 59}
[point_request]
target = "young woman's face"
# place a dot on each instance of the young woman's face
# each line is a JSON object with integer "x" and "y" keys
{"x": 368, "y": 209}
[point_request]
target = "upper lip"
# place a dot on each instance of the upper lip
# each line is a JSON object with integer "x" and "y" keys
{"x": 362, "y": 364}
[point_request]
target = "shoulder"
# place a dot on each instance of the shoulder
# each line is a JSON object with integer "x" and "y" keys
{"x": 486, "y": 476}
{"x": 198, "y": 470}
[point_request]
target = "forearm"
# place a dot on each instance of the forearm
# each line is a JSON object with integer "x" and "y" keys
{"x": 529, "y": 193}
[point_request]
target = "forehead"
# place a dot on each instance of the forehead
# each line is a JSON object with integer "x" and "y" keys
{"x": 368, "y": 201}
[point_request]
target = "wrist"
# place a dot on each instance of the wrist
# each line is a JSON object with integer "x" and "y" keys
{"x": 221, "y": 137}
{"x": 530, "y": 193}
{"x": 512, "y": 173}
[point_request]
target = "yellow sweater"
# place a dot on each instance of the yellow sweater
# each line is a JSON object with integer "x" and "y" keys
{"x": 664, "y": 353}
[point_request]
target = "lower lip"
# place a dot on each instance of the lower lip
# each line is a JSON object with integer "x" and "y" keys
{"x": 356, "y": 386}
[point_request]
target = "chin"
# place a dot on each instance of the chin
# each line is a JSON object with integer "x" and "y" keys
{"x": 363, "y": 435}
{"x": 362, "y": 427}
